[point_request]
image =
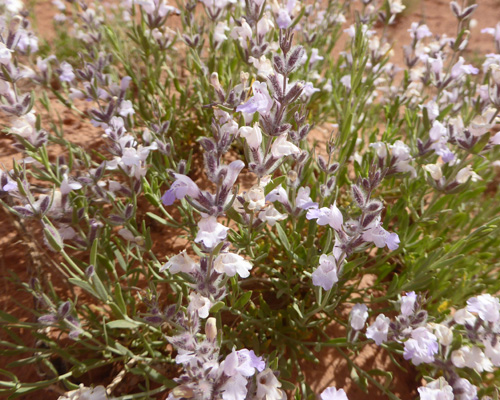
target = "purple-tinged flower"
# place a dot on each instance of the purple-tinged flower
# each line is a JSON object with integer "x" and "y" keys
{"x": 464, "y": 390}
{"x": 379, "y": 236}
{"x": 183, "y": 186}
{"x": 67, "y": 74}
{"x": 408, "y": 303}
{"x": 303, "y": 199}
{"x": 332, "y": 393}
{"x": 211, "y": 233}
{"x": 282, "y": 147}
{"x": 180, "y": 263}
{"x": 492, "y": 352}
{"x": 487, "y": 306}
{"x": 232, "y": 264}
{"x": 239, "y": 363}
{"x": 346, "y": 81}
{"x": 260, "y": 102}
{"x": 460, "y": 69}
{"x": 419, "y": 31}
{"x": 327, "y": 216}
{"x": 242, "y": 33}
{"x": 68, "y": 185}
{"x": 436, "y": 390}
{"x": 421, "y": 347}
{"x": 326, "y": 273}
{"x": 126, "y": 108}
{"x": 358, "y": 316}
{"x": 379, "y": 330}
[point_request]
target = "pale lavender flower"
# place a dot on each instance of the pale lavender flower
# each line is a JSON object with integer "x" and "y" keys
{"x": 379, "y": 236}
{"x": 419, "y": 31}
{"x": 183, "y": 186}
{"x": 5, "y": 54}
{"x": 346, "y": 81}
{"x": 379, "y": 330}
{"x": 282, "y": 147}
{"x": 358, "y": 316}
{"x": 487, "y": 306}
{"x": 327, "y": 216}
{"x": 232, "y": 264}
{"x": 211, "y": 233}
{"x": 332, "y": 393}
{"x": 408, "y": 303}
{"x": 421, "y": 347}
{"x": 460, "y": 69}
{"x": 492, "y": 352}
{"x": 326, "y": 273}
{"x": 260, "y": 102}
{"x": 303, "y": 199}
{"x": 67, "y": 74}
{"x": 239, "y": 362}
{"x": 126, "y": 108}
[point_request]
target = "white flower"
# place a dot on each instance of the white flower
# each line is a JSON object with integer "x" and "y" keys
{"x": 465, "y": 173}
{"x": 239, "y": 363}
{"x": 263, "y": 64}
{"x": 271, "y": 215}
{"x": 199, "y": 304}
{"x": 253, "y": 135}
{"x": 179, "y": 263}
{"x": 346, "y": 81}
{"x": 86, "y": 393}
{"x": 235, "y": 388}
{"x": 268, "y": 386}
{"x": 242, "y": 33}
{"x": 487, "y": 306}
{"x": 380, "y": 148}
{"x": 5, "y": 54}
{"x": 434, "y": 170}
{"x": 326, "y": 273}
{"x": 436, "y": 390}
{"x": 358, "y": 316}
{"x": 332, "y": 393}
{"x": 437, "y": 131}
{"x": 281, "y": 147}
{"x": 220, "y": 33}
{"x": 463, "y": 317}
{"x": 232, "y": 264}
{"x": 379, "y": 330}
{"x": 67, "y": 185}
{"x": 472, "y": 357}
{"x": 443, "y": 333}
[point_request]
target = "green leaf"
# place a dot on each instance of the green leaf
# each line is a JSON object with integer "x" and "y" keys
{"x": 243, "y": 300}
{"x": 122, "y": 324}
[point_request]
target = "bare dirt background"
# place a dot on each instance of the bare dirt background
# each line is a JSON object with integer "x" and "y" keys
{"x": 20, "y": 256}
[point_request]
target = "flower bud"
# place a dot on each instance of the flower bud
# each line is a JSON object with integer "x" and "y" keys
{"x": 211, "y": 329}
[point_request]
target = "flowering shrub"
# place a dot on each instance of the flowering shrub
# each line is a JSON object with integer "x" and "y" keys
{"x": 204, "y": 113}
